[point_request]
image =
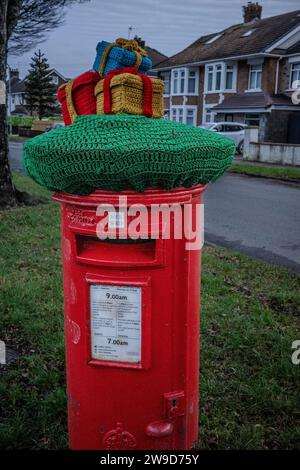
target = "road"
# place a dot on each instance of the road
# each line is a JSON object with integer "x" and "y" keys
{"x": 255, "y": 216}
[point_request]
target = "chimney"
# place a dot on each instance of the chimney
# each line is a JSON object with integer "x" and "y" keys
{"x": 14, "y": 73}
{"x": 140, "y": 41}
{"x": 252, "y": 11}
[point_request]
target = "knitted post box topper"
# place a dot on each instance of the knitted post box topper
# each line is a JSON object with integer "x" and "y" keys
{"x": 77, "y": 97}
{"x": 120, "y": 54}
{"x": 125, "y": 151}
{"x": 128, "y": 92}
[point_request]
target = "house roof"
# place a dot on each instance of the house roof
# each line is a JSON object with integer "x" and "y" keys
{"x": 254, "y": 100}
{"x": 18, "y": 86}
{"x": 55, "y": 72}
{"x": 232, "y": 43}
{"x": 154, "y": 55}
{"x": 294, "y": 49}
{"x": 20, "y": 110}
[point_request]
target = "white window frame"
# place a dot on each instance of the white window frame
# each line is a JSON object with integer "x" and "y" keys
{"x": 182, "y": 110}
{"x": 291, "y": 81}
{"x": 256, "y": 73}
{"x": 220, "y": 67}
{"x": 183, "y": 74}
{"x": 205, "y": 108}
{"x": 168, "y": 73}
{"x": 214, "y": 38}
{"x": 234, "y": 77}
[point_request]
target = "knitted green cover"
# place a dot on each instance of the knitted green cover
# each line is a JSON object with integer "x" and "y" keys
{"x": 118, "y": 152}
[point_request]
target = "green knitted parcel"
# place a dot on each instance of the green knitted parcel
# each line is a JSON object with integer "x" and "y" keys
{"x": 118, "y": 152}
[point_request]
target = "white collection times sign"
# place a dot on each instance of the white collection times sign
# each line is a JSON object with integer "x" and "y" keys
{"x": 116, "y": 323}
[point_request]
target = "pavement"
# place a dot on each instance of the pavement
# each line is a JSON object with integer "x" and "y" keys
{"x": 256, "y": 216}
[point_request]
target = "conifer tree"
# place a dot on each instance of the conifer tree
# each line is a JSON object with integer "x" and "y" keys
{"x": 40, "y": 92}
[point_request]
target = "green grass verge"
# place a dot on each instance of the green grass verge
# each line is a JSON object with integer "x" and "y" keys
{"x": 284, "y": 172}
{"x": 249, "y": 392}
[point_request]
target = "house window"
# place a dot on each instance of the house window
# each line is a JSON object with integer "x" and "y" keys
{"x": 214, "y": 77}
{"x": 248, "y": 33}
{"x": 229, "y": 77}
{"x": 190, "y": 116}
{"x": 295, "y": 76}
{"x": 255, "y": 75}
{"x": 165, "y": 76}
{"x": 55, "y": 80}
{"x": 191, "y": 81}
{"x": 220, "y": 77}
{"x": 182, "y": 78}
{"x": 209, "y": 116}
{"x": 214, "y": 38}
{"x": 186, "y": 115}
{"x": 252, "y": 119}
{"x": 184, "y": 81}
{"x": 210, "y": 78}
{"x": 180, "y": 114}
{"x": 175, "y": 82}
{"x": 166, "y": 114}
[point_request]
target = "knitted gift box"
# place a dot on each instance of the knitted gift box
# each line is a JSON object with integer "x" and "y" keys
{"x": 77, "y": 97}
{"x": 128, "y": 92}
{"x": 120, "y": 54}
{"x": 125, "y": 151}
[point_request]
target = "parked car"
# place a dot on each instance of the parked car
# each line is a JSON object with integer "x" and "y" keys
{"x": 57, "y": 125}
{"x": 232, "y": 130}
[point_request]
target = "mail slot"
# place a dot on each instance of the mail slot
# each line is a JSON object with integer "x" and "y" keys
{"x": 132, "y": 308}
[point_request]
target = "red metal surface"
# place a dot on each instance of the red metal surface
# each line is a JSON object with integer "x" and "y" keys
{"x": 151, "y": 405}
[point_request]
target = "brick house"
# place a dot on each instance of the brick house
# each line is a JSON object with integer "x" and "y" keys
{"x": 16, "y": 96}
{"x": 246, "y": 73}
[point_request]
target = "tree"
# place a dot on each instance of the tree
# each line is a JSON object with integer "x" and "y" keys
{"x": 23, "y": 24}
{"x": 39, "y": 89}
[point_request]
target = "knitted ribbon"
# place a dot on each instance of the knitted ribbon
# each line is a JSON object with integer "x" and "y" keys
{"x": 147, "y": 90}
{"x": 129, "y": 44}
{"x": 69, "y": 100}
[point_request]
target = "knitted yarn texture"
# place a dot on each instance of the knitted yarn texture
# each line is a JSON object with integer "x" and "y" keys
{"x": 117, "y": 57}
{"x": 118, "y": 152}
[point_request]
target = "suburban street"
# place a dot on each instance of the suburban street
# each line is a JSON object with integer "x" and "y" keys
{"x": 255, "y": 216}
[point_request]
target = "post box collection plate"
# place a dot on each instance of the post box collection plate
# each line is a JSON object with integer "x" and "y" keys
{"x": 115, "y": 323}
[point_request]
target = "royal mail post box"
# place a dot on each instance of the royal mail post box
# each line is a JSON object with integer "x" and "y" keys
{"x": 132, "y": 307}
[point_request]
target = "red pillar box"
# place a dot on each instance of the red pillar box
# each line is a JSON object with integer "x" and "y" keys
{"x": 132, "y": 310}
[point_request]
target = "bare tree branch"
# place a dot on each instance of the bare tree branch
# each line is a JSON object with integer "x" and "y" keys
{"x": 24, "y": 23}
{"x": 33, "y": 20}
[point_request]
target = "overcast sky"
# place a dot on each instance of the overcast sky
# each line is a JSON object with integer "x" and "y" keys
{"x": 166, "y": 25}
